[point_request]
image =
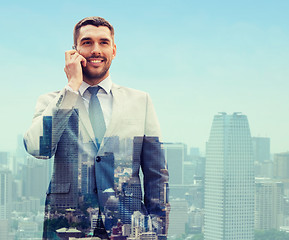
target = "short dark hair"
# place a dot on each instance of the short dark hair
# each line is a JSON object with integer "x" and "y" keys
{"x": 95, "y": 21}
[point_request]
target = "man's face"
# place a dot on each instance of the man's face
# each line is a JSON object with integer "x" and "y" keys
{"x": 96, "y": 45}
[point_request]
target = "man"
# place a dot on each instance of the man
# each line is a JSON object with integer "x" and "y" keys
{"x": 101, "y": 135}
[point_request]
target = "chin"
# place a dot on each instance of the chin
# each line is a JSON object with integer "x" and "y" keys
{"x": 95, "y": 76}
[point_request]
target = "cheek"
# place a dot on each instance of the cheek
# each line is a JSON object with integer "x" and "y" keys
{"x": 109, "y": 56}
{"x": 84, "y": 52}
{"x": 112, "y": 55}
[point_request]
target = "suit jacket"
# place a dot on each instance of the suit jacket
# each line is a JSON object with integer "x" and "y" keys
{"x": 125, "y": 176}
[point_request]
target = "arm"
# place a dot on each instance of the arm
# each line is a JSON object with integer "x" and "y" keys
{"x": 51, "y": 115}
{"x": 155, "y": 172}
{"x": 53, "y": 111}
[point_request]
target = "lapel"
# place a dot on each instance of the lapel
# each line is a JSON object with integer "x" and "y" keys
{"x": 116, "y": 110}
{"x": 117, "y": 107}
{"x": 84, "y": 119}
{"x": 115, "y": 116}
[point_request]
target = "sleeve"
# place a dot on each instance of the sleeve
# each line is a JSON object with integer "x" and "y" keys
{"x": 155, "y": 172}
{"x": 50, "y": 118}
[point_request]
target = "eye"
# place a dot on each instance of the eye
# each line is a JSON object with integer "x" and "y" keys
{"x": 104, "y": 43}
{"x": 86, "y": 43}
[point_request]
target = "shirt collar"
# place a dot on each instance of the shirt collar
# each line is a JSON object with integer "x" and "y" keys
{"x": 104, "y": 84}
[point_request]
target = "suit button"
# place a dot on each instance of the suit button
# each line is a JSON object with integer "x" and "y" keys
{"x": 98, "y": 159}
{"x": 95, "y": 190}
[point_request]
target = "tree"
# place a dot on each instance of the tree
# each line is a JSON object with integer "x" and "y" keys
{"x": 198, "y": 237}
{"x": 271, "y": 234}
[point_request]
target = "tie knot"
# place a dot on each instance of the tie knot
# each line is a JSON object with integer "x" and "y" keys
{"x": 93, "y": 90}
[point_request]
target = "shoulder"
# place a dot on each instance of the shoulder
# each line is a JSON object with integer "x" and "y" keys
{"x": 49, "y": 94}
{"x": 64, "y": 98}
{"x": 47, "y": 97}
{"x": 129, "y": 92}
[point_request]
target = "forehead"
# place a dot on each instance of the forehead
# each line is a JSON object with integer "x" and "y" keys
{"x": 93, "y": 32}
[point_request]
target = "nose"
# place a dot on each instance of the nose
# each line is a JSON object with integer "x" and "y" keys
{"x": 95, "y": 49}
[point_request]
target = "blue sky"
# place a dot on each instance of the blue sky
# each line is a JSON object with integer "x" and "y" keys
{"x": 194, "y": 58}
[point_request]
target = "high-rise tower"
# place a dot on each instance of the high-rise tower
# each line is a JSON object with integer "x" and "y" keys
{"x": 67, "y": 165}
{"x": 229, "y": 180}
{"x": 261, "y": 149}
{"x": 269, "y": 207}
{"x": 175, "y": 155}
{"x": 5, "y": 202}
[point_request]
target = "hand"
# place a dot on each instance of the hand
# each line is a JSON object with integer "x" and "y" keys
{"x": 73, "y": 69}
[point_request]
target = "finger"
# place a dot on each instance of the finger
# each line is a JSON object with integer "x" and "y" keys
{"x": 68, "y": 54}
{"x": 74, "y": 57}
{"x": 83, "y": 61}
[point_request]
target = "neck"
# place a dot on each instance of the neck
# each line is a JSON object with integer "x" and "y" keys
{"x": 94, "y": 81}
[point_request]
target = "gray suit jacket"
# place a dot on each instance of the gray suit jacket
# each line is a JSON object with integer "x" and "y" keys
{"x": 86, "y": 175}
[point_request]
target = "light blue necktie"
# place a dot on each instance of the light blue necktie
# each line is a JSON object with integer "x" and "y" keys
{"x": 96, "y": 115}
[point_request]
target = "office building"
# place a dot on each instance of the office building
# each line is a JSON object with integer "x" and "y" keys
{"x": 5, "y": 194}
{"x": 261, "y": 149}
{"x": 268, "y": 204}
{"x": 281, "y": 165}
{"x": 5, "y": 202}
{"x": 189, "y": 172}
{"x": 178, "y": 217}
{"x": 127, "y": 205}
{"x": 36, "y": 175}
{"x": 3, "y": 158}
{"x": 175, "y": 156}
{"x": 45, "y": 141}
{"x": 264, "y": 169}
{"x": 229, "y": 180}
{"x": 68, "y": 165}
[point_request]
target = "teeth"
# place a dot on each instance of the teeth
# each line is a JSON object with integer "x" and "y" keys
{"x": 95, "y": 61}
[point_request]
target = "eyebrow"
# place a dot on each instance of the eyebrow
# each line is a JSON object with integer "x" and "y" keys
{"x": 88, "y": 38}
{"x": 85, "y": 39}
{"x": 105, "y": 39}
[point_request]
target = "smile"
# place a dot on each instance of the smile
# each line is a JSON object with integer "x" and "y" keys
{"x": 96, "y": 60}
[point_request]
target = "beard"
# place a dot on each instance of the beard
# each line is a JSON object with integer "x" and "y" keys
{"x": 91, "y": 75}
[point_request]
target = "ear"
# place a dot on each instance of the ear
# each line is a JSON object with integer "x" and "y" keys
{"x": 113, "y": 51}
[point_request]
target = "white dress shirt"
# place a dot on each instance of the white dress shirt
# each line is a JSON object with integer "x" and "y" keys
{"x": 104, "y": 96}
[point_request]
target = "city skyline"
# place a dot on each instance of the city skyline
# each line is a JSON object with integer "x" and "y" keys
{"x": 193, "y": 58}
{"x": 187, "y": 192}
{"x": 188, "y": 147}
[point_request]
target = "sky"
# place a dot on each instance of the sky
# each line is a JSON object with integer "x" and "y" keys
{"x": 194, "y": 58}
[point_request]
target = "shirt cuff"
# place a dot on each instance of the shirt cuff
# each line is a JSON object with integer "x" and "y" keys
{"x": 68, "y": 88}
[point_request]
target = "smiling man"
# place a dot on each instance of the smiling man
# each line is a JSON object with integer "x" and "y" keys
{"x": 110, "y": 177}
{"x": 94, "y": 48}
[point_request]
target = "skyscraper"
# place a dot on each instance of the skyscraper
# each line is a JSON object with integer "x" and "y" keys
{"x": 281, "y": 165}
{"x": 3, "y": 158}
{"x": 5, "y": 193}
{"x": 5, "y": 202}
{"x": 68, "y": 165}
{"x": 178, "y": 216}
{"x": 129, "y": 202}
{"x": 46, "y": 140}
{"x": 229, "y": 180}
{"x": 268, "y": 204}
{"x": 175, "y": 155}
{"x": 261, "y": 148}
{"x": 36, "y": 177}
